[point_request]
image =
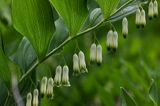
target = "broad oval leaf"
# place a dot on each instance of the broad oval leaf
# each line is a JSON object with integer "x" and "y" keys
{"x": 153, "y": 93}
{"x": 108, "y": 7}
{"x": 126, "y": 99}
{"x": 73, "y": 12}
{"x": 34, "y": 19}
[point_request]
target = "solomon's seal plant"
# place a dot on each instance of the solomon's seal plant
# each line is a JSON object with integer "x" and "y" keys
{"x": 43, "y": 29}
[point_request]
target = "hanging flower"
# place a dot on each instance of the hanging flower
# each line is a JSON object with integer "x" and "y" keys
{"x": 43, "y": 86}
{"x": 150, "y": 10}
{"x": 49, "y": 90}
{"x": 93, "y": 52}
{"x": 109, "y": 39}
{"x": 65, "y": 76}
{"x": 138, "y": 18}
{"x": 57, "y": 78}
{"x": 99, "y": 54}
{"x": 29, "y": 99}
{"x": 115, "y": 41}
{"x": 155, "y": 8}
{"x": 82, "y": 62}
{"x": 143, "y": 18}
{"x": 125, "y": 27}
{"x": 35, "y": 97}
{"x": 76, "y": 69}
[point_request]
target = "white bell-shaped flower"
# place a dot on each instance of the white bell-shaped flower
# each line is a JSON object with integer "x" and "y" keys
{"x": 82, "y": 62}
{"x": 29, "y": 99}
{"x": 49, "y": 90}
{"x": 125, "y": 27}
{"x": 76, "y": 69}
{"x": 138, "y": 18}
{"x": 150, "y": 10}
{"x": 65, "y": 76}
{"x": 155, "y": 8}
{"x": 43, "y": 86}
{"x": 35, "y": 97}
{"x": 115, "y": 40}
{"x": 143, "y": 18}
{"x": 57, "y": 78}
{"x": 93, "y": 52}
{"x": 109, "y": 39}
{"x": 99, "y": 54}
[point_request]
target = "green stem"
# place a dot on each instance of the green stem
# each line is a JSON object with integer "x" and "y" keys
{"x": 59, "y": 47}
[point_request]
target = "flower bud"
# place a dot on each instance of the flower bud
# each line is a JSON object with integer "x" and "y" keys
{"x": 35, "y": 97}
{"x": 57, "y": 78}
{"x": 143, "y": 18}
{"x": 76, "y": 69}
{"x": 93, "y": 52}
{"x": 150, "y": 10}
{"x": 115, "y": 40}
{"x": 49, "y": 91}
{"x": 138, "y": 18}
{"x": 65, "y": 76}
{"x": 109, "y": 39}
{"x": 82, "y": 63}
{"x": 43, "y": 86}
{"x": 99, "y": 54}
{"x": 125, "y": 27}
{"x": 155, "y": 8}
{"x": 29, "y": 99}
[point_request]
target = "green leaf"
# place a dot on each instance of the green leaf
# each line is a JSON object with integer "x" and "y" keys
{"x": 34, "y": 19}
{"x": 108, "y": 7}
{"x": 126, "y": 9}
{"x": 123, "y": 13}
{"x": 60, "y": 34}
{"x": 95, "y": 16}
{"x": 153, "y": 93}
{"x": 127, "y": 99}
{"x": 4, "y": 93}
{"x": 73, "y": 12}
{"x": 11, "y": 40}
{"x": 25, "y": 55}
{"x": 6, "y": 67}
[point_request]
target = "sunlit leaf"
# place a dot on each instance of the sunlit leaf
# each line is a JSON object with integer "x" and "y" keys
{"x": 34, "y": 19}
{"x": 73, "y": 12}
{"x": 153, "y": 93}
{"x": 108, "y": 6}
{"x": 126, "y": 98}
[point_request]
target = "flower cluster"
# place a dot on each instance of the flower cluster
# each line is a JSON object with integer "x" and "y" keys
{"x": 47, "y": 87}
{"x": 140, "y": 18}
{"x": 62, "y": 76}
{"x": 152, "y": 9}
{"x": 34, "y": 102}
{"x": 96, "y": 53}
{"x": 112, "y": 40}
{"x": 79, "y": 63}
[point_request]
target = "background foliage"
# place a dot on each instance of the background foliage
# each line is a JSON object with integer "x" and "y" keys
{"x": 132, "y": 67}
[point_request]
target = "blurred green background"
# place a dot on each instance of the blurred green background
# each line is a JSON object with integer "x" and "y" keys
{"x": 135, "y": 63}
